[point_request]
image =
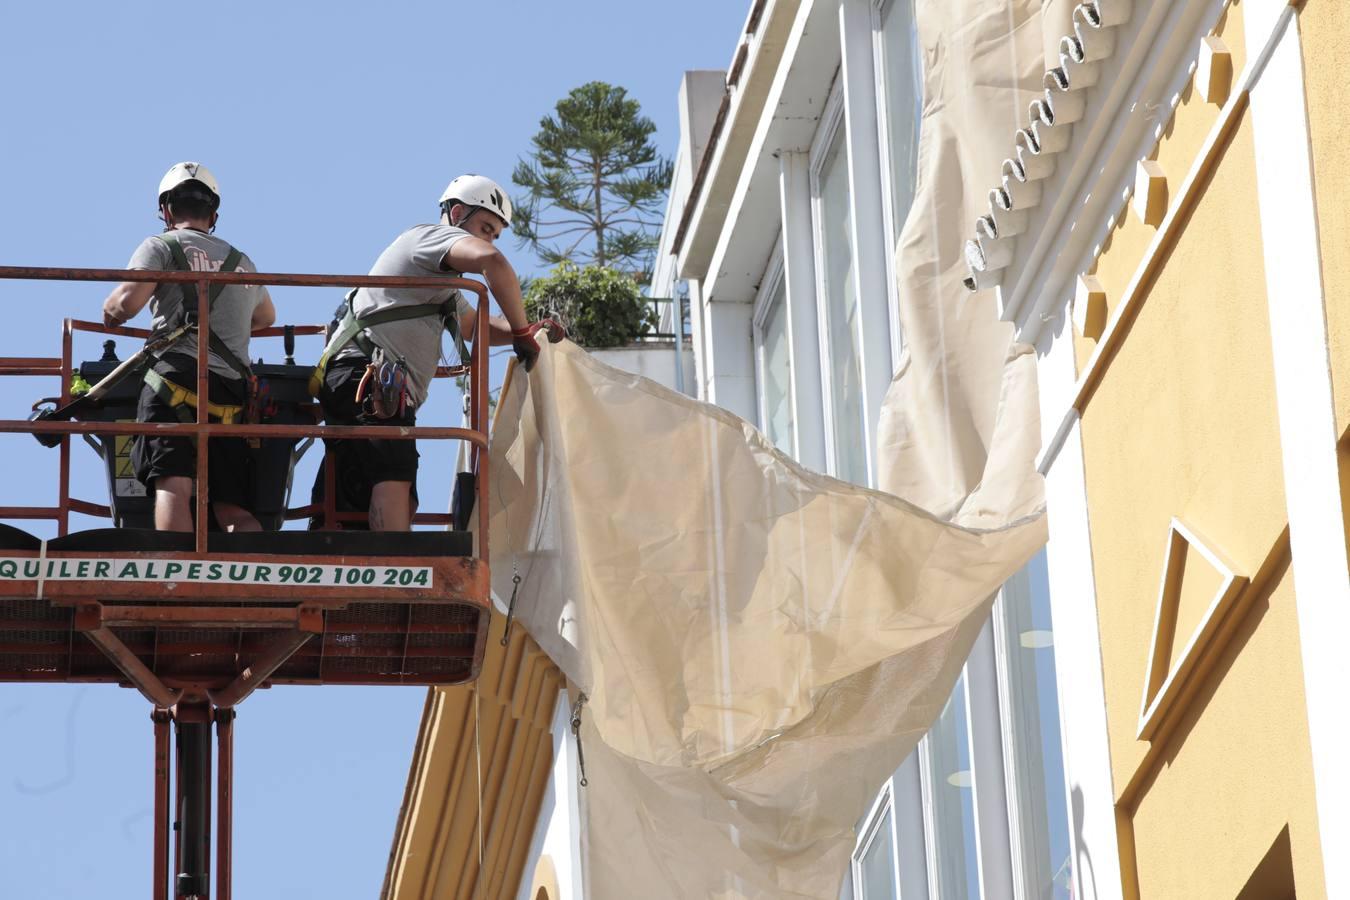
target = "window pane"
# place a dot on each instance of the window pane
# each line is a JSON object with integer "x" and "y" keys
{"x": 953, "y": 800}
{"x": 775, "y": 369}
{"x": 877, "y": 866}
{"x": 842, "y": 314}
{"x": 902, "y": 71}
{"x": 1038, "y": 760}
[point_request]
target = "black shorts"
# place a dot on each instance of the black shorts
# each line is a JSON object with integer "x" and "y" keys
{"x": 361, "y": 464}
{"x": 230, "y": 466}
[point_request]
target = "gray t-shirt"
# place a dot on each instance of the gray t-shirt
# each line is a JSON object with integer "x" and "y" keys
{"x": 232, "y": 313}
{"x": 418, "y": 251}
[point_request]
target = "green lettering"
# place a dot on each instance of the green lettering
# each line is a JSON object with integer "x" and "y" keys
{"x": 150, "y": 569}
{"x": 194, "y": 571}
{"x": 82, "y": 570}
{"x": 102, "y": 568}
{"x": 239, "y": 575}
{"x": 262, "y": 573}
{"x": 129, "y": 570}
{"x": 172, "y": 569}
{"x": 213, "y": 572}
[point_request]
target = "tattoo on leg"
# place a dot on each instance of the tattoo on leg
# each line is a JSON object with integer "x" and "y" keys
{"x": 376, "y": 519}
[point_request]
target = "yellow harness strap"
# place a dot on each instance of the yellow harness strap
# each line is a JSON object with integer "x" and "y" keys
{"x": 177, "y": 396}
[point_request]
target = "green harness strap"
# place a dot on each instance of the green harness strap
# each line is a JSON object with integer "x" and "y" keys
{"x": 189, "y": 307}
{"x": 350, "y": 330}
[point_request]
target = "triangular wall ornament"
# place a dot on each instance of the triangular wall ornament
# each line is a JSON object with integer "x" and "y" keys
{"x": 1164, "y": 680}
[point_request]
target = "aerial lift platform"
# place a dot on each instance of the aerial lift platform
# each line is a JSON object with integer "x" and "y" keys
{"x": 197, "y": 622}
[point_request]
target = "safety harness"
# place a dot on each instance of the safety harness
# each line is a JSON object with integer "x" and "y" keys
{"x": 349, "y": 328}
{"x": 183, "y": 400}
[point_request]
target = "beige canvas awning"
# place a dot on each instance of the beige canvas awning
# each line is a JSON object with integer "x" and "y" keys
{"x": 762, "y": 645}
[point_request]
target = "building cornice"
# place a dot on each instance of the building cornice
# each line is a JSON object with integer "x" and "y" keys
{"x": 749, "y": 78}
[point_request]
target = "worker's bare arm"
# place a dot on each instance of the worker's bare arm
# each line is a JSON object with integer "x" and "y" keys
{"x": 126, "y": 300}
{"x": 499, "y": 330}
{"x": 479, "y": 257}
{"x": 264, "y": 314}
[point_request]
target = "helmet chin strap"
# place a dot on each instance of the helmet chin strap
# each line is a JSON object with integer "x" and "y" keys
{"x": 450, "y": 205}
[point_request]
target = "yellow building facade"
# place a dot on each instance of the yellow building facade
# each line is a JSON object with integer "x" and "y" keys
{"x": 1195, "y": 388}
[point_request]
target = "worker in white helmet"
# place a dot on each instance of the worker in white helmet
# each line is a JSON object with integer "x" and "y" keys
{"x": 386, "y": 344}
{"x": 189, "y": 203}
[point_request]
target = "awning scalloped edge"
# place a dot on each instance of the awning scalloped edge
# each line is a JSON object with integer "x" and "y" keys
{"x": 1046, "y": 135}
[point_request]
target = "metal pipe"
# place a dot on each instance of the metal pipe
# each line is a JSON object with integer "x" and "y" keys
{"x": 677, "y": 326}
{"x": 203, "y": 410}
{"x": 48, "y": 273}
{"x": 30, "y": 512}
{"x": 100, "y": 328}
{"x": 63, "y": 488}
{"x": 481, "y": 363}
{"x": 225, "y": 801}
{"x": 46, "y": 362}
{"x": 330, "y": 514}
{"x": 161, "y": 848}
{"x": 193, "y": 876}
{"x": 186, "y": 429}
{"x": 89, "y": 509}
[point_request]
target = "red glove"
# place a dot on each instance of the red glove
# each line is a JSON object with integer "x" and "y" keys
{"x": 556, "y": 331}
{"x": 527, "y": 347}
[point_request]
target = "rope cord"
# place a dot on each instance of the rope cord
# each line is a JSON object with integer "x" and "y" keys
{"x": 478, "y": 759}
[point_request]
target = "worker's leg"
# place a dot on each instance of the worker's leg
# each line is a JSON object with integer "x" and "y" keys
{"x": 173, "y": 503}
{"x": 378, "y": 476}
{"x": 165, "y": 465}
{"x": 233, "y": 517}
{"x": 391, "y": 506}
{"x": 232, "y": 484}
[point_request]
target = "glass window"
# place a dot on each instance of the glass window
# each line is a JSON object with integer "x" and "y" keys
{"x": 776, "y": 373}
{"x": 1038, "y": 761}
{"x": 953, "y": 801}
{"x": 841, "y": 319}
{"x": 876, "y": 865}
{"x": 901, "y": 68}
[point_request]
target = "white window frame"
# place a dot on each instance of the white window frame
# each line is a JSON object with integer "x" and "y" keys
{"x": 927, "y": 782}
{"x": 774, "y": 278}
{"x": 893, "y": 226}
{"x": 831, "y": 123}
{"x": 1026, "y": 847}
{"x": 991, "y": 818}
{"x": 883, "y": 804}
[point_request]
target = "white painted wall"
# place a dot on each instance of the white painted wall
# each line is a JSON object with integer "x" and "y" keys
{"x": 557, "y": 834}
{"x": 654, "y": 360}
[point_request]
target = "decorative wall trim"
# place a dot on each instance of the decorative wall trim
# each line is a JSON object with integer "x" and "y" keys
{"x": 1163, "y": 679}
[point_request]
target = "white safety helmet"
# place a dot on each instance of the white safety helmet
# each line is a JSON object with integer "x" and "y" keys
{"x": 477, "y": 191}
{"x": 185, "y": 172}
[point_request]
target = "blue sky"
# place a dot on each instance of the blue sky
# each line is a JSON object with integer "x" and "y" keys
{"x": 331, "y": 127}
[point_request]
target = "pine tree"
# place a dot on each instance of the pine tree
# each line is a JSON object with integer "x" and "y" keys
{"x": 595, "y": 184}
